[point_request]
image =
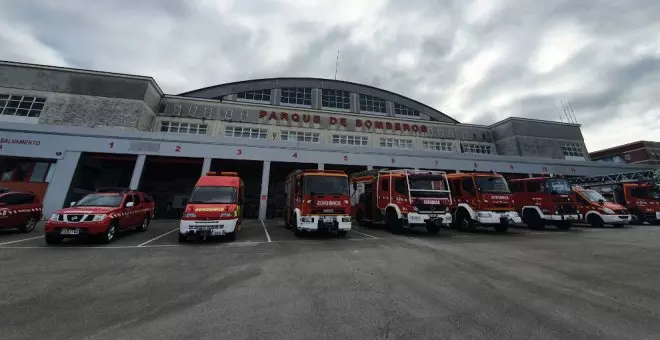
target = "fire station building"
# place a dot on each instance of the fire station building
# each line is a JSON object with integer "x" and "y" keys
{"x": 66, "y": 132}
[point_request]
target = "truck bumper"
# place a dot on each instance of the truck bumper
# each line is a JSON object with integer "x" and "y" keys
{"x": 423, "y": 219}
{"x": 497, "y": 217}
{"x": 324, "y": 223}
{"x": 568, "y": 217}
{"x": 616, "y": 219}
{"x": 207, "y": 228}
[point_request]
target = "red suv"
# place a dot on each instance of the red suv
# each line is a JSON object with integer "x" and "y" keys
{"x": 101, "y": 215}
{"x": 20, "y": 210}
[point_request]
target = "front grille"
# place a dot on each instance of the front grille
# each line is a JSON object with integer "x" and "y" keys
{"x": 649, "y": 216}
{"x": 621, "y": 211}
{"x": 328, "y": 211}
{"x": 74, "y": 218}
{"x": 566, "y": 209}
{"x": 431, "y": 207}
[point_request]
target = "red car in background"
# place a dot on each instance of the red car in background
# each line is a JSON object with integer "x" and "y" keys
{"x": 101, "y": 215}
{"x": 19, "y": 210}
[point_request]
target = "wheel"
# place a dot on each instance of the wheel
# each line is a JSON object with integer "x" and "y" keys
{"x": 533, "y": 219}
{"x": 144, "y": 225}
{"x": 231, "y": 237}
{"x": 638, "y": 219}
{"x": 595, "y": 221}
{"x": 53, "y": 239}
{"x": 501, "y": 228}
{"x": 432, "y": 229}
{"x": 342, "y": 233}
{"x": 109, "y": 234}
{"x": 394, "y": 223}
{"x": 464, "y": 222}
{"x": 183, "y": 238}
{"x": 29, "y": 225}
{"x": 564, "y": 225}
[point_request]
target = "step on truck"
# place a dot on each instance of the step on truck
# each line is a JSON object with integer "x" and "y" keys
{"x": 482, "y": 199}
{"x": 638, "y": 191}
{"x": 545, "y": 200}
{"x": 214, "y": 207}
{"x": 317, "y": 201}
{"x": 403, "y": 199}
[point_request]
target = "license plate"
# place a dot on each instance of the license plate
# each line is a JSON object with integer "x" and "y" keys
{"x": 657, "y": 215}
{"x": 414, "y": 218}
{"x": 328, "y": 219}
{"x": 70, "y": 232}
{"x": 571, "y": 218}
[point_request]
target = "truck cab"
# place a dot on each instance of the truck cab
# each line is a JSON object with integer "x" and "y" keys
{"x": 403, "y": 199}
{"x": 214, "y": 207}
{"x": 482, "y": 199}
{"x": 317, "y": 201}
{"x": 641, "y": 199}
{"x": 597, "y": 210}
{"x": 545, "y": 200}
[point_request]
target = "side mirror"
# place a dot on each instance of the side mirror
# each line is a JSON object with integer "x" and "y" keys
{"x": 129, "y": 204}
{"x": 602, "y": 202}
{"x": 72, "y": 203}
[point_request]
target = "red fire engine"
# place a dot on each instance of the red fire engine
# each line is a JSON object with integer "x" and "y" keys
{"x": 317, "y": 200}
{"x": 482, "y": 199}
{"x": 639, "y": 191}
{"x": 545, "y": 200}
{"x": 402, "y": 199}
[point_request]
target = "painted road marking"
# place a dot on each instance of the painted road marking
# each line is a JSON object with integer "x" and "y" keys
{"x": 155, "y": 238}
{"x": 21, "y": 240}
{"x": 363, "y": 233}
{"x": 266, "y": 230}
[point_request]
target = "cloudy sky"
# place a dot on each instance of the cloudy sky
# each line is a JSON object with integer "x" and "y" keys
{"x": 478, "y": 61}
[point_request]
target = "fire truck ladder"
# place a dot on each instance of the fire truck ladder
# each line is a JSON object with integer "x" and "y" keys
{"x": 652, "y": 176}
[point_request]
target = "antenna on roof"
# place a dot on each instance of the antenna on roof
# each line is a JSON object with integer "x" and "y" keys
{"x": 573, "y": 112}
{"x": 559, "y": 113}
{"x": 337, "y": 65}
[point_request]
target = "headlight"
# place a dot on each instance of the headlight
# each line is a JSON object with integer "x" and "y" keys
{"x": 307, "y": 219}
{"x": 98, "y": 218}
{"x": 55, "y": 217}
{"x": 608, "y": 211}
{"x": 189, "y": 215}
{"x": 345, "y": 219}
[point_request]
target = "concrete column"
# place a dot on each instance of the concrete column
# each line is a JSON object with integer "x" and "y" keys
{"x": 60, "y": 183}
{"x": 355, "y": 103}
{"x": 370, "y": 167}
{"x": 206, "y": 166}
{"x": 316, "y": 98}
{"x": 137, "y": 171}
{"x": 265, "y": 178}
{"x": 321, "y": 166}
{"x": 530, "y": 175}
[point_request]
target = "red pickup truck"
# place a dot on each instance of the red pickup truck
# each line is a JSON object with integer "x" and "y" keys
{"x": 19, "y": 210}
{"x": 101, "y": 215}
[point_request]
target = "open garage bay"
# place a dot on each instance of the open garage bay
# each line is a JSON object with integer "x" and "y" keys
{"x": 582, "y": 283}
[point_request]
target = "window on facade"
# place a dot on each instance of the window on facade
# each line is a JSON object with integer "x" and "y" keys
{"x": 259, "y": 95}
{"x": 350, "y": 140}
{"x": 336, "y": 99}
{"x": 300, "y": 136}
{"x": 245, "y": 132}
{"x": 22, "y": 106}
{"x": 23, "y": 170}
{"x": 396, "y": 143}
{"x": 180, "y": 127}
{"x": 404, "y": 110}
{"x": 438, "y": 145}
{"x": 372, "y": 104}
{"x": 574, "y": 150}
{"x": 296, "y": 95}
{"x": 477, "y": 148}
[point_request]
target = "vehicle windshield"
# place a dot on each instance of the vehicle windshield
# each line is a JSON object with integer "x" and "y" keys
{"x": 214, "y": 195}
{"x": 593, "y": 196}
{"x": 558, "y": 186}
{"x": 643, "y": 192}
{"x": 100, "y": 200}
{"x": 492, "y": 185}
{"x": 326, "y": 185}
{"x": 428, "y": 186}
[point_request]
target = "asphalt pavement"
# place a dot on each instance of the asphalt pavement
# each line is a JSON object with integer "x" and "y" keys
{"x": 584, "y": 283}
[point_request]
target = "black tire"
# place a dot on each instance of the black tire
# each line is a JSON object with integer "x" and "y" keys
{"x": 432, "y": 229}
{"x": 595, "y": 221}
{"x": 231, "y": 237}
{"x": 183, "y": 238}
{"x": 394, "y": 223}
{"x": 637, "y": 219}
{"x": 29, "y": 225}
{"x": 464, "y": 222}
{"x": 501, "y": 228}
{"x": 533, "y": 219}
{"x": 110, "y": 234}
{"x": 144, "y": 225}
{"x": 51, "y": 239}
{"x": 342, "y": 233}
{"x": 564, "y": 225}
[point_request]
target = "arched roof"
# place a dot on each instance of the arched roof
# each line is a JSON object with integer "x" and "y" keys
{"x": 221, "y": 90}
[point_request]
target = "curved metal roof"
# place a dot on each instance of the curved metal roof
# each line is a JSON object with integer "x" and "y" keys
{"x": 221, "y": 90}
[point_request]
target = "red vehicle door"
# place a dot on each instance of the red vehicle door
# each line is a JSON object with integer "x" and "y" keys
{"x": 137, "y": 214}
{"x": 126, "y": 217}
{"x": 9, "y": 217}
{"x": 383, "y": 192}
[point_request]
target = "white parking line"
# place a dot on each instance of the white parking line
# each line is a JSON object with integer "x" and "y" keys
{"x": 266, "y": 230}
{"x": 155, "y": 238}
{"x": 355, "y": 231}
{"x": 21, "y": 240}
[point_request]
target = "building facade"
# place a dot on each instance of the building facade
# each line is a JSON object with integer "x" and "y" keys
{"x": 641, "y": 152}
{"x": 64, "y": 132}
